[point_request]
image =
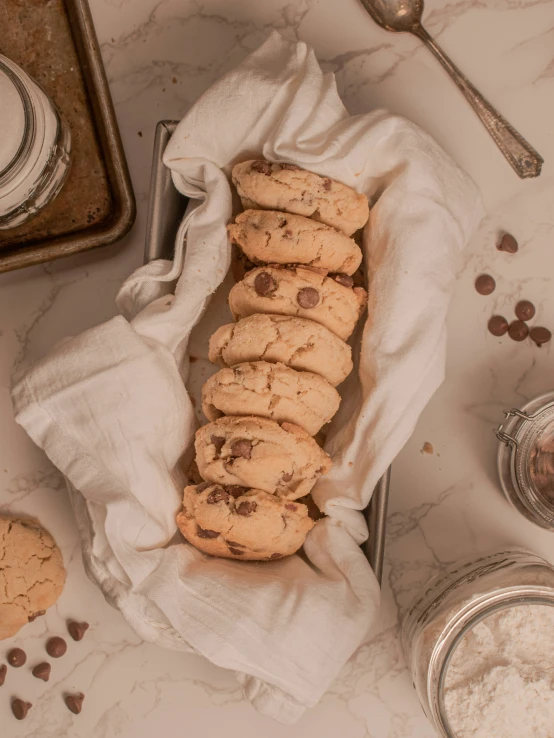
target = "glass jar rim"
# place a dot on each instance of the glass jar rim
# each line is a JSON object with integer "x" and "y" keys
{"x": 511, "y": 600}
{"x": 27, "y": 139}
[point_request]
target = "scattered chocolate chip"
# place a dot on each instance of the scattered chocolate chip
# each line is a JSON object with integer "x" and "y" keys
{"x": 344, "y": 279}
{"x": 74, "y": 702}
{"x": 235, "y": 490}
{"x": 217, "y": 495}
{"x": 264, "y": 284}
{"x": 246, "y": 508}
{"x": 263, "y": 167}
{"x": 218, "y": 442}
{"x": 202, "y": 533}
{"x": 292, "y": 167}
{"x": 498, "y": 325}
{"x": 3, "y": 672}
{"x": 42, "y": 671}
{"x": 77, "y": 630}
{"x": 518, "y": 330}
{"x": 17, "y": 657}
{"x": 327, "y": 184}
{"x": 525, "y": 310}
{"x": 242, "y": 448}
{"x": 276, "y": 556}
{"x": 56, "y": 647}
{"x": 307, "y": 297}
{"x": 235, "y": 551}
{"x": 427, "y": 447}
{"x": 508, "y": 244}
{"x": 290, "y": 506}
{"x": 201, "y": 487}
{"x": 485, "y": 284}
{"x": 36, "y": 615}
{"x": 286, "y": 477}
{"x": 20, "y": 708}
{"x": 540, "y": 335}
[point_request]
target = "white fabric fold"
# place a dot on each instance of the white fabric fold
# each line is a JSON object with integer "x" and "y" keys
{"x": 110, "y": 409}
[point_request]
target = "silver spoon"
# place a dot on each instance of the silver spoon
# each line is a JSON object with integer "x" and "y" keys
{"x": 404, "y": 16}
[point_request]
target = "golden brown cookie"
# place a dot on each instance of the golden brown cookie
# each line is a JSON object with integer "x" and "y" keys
{"x": 32, "y": 574}
{"x": 271, "y": 391}
{"x": 301, "y": 344}
{"x": 256, "y": 452}
{"x": 266, "y": 186}
{"x": 269, "y": 236}
{"x": 241, "y": 523}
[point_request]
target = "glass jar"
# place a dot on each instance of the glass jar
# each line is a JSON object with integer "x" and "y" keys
{"x": 454, "y": 603}
{"x": 526, "y": 459}
{"x": 35, "y": 147}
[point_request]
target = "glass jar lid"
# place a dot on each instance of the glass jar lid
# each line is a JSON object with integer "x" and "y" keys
{"x": 526, "y": 459}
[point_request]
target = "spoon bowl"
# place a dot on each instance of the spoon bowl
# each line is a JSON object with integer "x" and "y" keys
{"x": 401, "y": 16}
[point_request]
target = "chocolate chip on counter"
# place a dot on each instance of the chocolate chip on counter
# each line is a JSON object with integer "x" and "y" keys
{"x": 74, "y": 702}
{"x": 217, "y": 495}
{"x": 508, "y": 244}
{"x": 3, "y": 672}
{"x": 218, "y": 442}
{"x": 235, "y": 490}
{"x": 77, "y": 630}
{"x": 525, "y": 310}
{"x": 263, "y": 167}
{"x": 202, "y": 486}
{"x": 202, "y": 533}
{"x": 540, "y": 335}
{"x": 42, "y": 671}
{"x": 290, "y": 506}
{"x": 307, "y": 297}
{"x": 246, "y": 508}
{"x": 242, "y": 448}
{"x": 498, "y": 325}
{"x": 518, "y": 330}
{"x": 485, "y": 284}
{"x": 17, "y": 657}
{"x": 344, "y": 279}
{"x": 56, "y": 647}
{"x": 20, "y": 708}
{"x": 286, "y": 477}
{"x": 264, "y": 284}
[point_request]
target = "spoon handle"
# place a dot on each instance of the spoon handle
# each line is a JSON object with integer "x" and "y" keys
{"x": 521, "y": 155}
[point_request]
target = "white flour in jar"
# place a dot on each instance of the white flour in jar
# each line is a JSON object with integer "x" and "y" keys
{"x": 500, "y": 681}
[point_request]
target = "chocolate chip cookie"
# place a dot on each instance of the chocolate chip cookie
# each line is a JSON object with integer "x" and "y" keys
{"x": 32, "y": 574}
{"x": 303, "y": 292}
{"x": 241, "y": 523}
{"x": 268, "y": 236}
{"x": 299, "y": 343}
{"x": 266, "y": 186}
{"x": 255, "y": 452}
{"x": 271, "y": 391}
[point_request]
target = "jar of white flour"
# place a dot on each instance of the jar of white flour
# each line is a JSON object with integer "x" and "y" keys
{"x": 480, "y": 646}
{"x": 35, "y": 147}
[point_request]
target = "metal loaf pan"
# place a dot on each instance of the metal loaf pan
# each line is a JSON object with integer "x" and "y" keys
{"x": 39, "y": 247}
{"x": 166, "y": 207}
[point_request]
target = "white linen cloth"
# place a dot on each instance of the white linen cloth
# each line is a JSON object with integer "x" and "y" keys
{"x": 110, "y": 409}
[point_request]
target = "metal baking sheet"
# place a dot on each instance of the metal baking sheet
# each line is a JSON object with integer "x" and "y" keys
{"x": 49, "y": 40}
{"x": 166, "y": 207}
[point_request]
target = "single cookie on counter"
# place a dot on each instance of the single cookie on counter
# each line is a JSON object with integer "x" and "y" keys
{"x": 256, "y": 452}
{"x": 302, "y": 292}
{"x": 32, "y": 574}
{"x": 241, "y": 523}
{"x": 271, "y": 391}
{"x": 269, "y": 236}
{"x": 266, "y": 186}
{"x": 299, "y": 343}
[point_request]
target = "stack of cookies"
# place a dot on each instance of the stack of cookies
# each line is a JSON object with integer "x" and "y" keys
{"x": 282, "y": 359}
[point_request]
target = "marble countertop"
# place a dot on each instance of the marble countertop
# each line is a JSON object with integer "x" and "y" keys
{"x": 445, "y": 503}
